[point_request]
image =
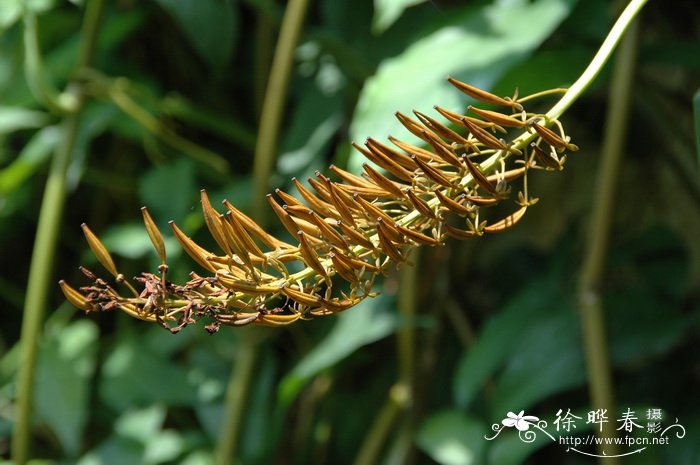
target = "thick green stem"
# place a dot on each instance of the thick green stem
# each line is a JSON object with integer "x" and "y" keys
{"x": 273, "y": 104}
{"x": 236, "y": 397}
{"x": 592, "y": 271}
{"x": 45, "y": 244}
{"x": 384, "y": 423}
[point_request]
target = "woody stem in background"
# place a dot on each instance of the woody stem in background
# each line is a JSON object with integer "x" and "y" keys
{"x": 592, "y": 271}
{"x": 48, "y": 227}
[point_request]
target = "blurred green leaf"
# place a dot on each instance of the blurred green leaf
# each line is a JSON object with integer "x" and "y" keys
{"x": 696, "y": 111}
{"x": 66, "y": 364}
{"x": 452, "y": 438}
{"x": 210, "y": 26}
{"x": 477, "y": 45}
{"x": 386, "y": 12}
{"x": 546, "y": 359}
{"x": 169, "y": 191}
{"x": 34, "y": 154}
{"x": 131, "y": 241}
{"x": 14, "y": 118}
{"x": 643, "y": 325}
{"x": 10, "y": 12}
{"x": 499, "y": 338}
{"x": 141, "y": 424}
{"x": 368, "y": 322}
{"x": 134, "y": 375}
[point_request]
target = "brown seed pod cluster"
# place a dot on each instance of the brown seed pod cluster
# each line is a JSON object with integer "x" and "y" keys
{"x": 347, "y": 228}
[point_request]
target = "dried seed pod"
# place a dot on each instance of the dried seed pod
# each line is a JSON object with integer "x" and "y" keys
{"x": 309, "y": 255}
{"x": 485, "y": 137}
{"x": 441, "y": 130}
{"x": 354, "y": 263}
{"x": 301, "y": 297}
{"x": 433, "y": 173}
{"x": 482, "y": 201}
{"x": 329, "y": 233}
{"x": 344, "y": 205}
{"x": 356, "y": 236}
{"x": 382, "y": 181}
{"x": 399, "y": 161}
{"x": 373, "y": 212}
{"x": 452, "y": 205}
{"x": 483, "y": 96}
{"x": 460, "y": 234}
{"x": 289, "y": 199}
{"x": 237, "y": 319}
{"x": 343, "y": 269}
{"x": 154, "y": 234}
{"x": 211, "y": 219}
{"x": 320, "y": 206}
{"x": 197, "y": 253}
{"x": 444, "y": 151}
{"x": 458, "y": 118}
{"x": 321, "y": 189}
{"x": 498, "y": 118}
{"x": 76, "y": 299}
{"x": 508, "y": 176}
{"x": 412, "y": 150}
{"x": 246, "y": 287}
{"x": 272, "y": 319}
{"x": 255, "y": 229}
{"x": 507, "y": 222}
{"x": 417, "y": 237}
{"x": 552, "y": 138}
{"x": 388, "y": 247}
{"x": 420, "y": 204}
{"x": 350, "y": 178}
{"x": 340, "y": 305}
{"x": 247, "y": 244}
{"x": 100, "y": 251}
{"x": 413, "y": 126}
{"x": 479, "y": 177}
{"x": 390, "y": 231}
{"x": 546, "y": 159}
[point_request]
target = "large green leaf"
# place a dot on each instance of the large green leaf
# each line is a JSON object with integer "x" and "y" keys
{"x": 696, "y": 110}
{"x": 477, "y": 44}
{"x": 367, "y": 322}
{"x": 386, "y": 12}
{"x": 210, "y": 26}
{"x": 66, "y": 364}
{"x": 452, "y": 438}
{"x": 500, "y": 337}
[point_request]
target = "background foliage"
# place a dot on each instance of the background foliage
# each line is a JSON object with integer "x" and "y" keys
{"x": 173, "y": 107}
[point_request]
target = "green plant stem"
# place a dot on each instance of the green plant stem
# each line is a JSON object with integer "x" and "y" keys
{"x": 384, "y": 423}
{"x": 598, "y": 62}
{"x": 236, "y": 397}
{"x": 45, "y": 244}
{"x": 41, "y": 89}
{"x": 273, "y": 103}
{"x": 151, "y": 123}
{"x": 592, "y": 270}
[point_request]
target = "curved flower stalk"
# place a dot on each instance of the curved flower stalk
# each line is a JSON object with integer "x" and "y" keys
{"x": 348, "y": 229}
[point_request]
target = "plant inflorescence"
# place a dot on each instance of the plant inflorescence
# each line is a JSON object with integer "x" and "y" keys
{"x": 347, "y": 229}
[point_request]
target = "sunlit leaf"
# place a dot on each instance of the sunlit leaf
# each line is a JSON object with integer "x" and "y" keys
{"x": 209, "y": 25}
{"x": 66, "y": 365}
{"x": 15, "y": 118}
{"x": 367, "y": 322}
{"x": 452, "y": 438}
{"x": 475, "y": 45}
{"x": 386, "y": 12}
